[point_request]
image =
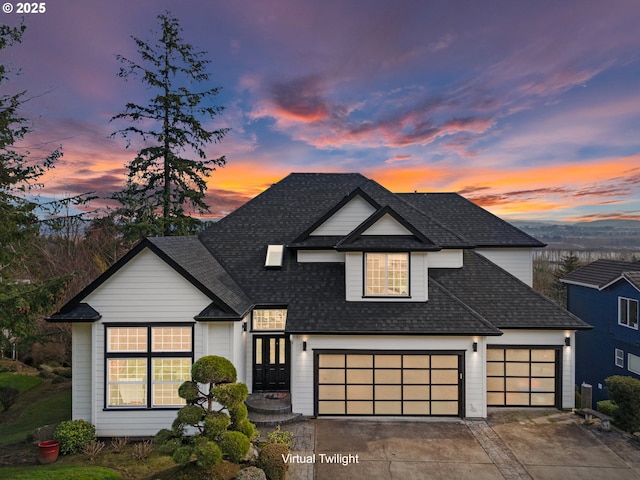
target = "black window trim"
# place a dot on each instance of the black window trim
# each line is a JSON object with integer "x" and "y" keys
{"x": 149, "y": 355}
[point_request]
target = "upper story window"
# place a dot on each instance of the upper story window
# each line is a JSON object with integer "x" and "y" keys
{"x": 628, "y": 312}
{"x": 269, "y": 319}
{"x": 386, "y": 275}
{"x": 145, "y": 365}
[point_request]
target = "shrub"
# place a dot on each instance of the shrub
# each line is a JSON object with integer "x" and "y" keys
{"x": 182, "y": 455}
{"x": 230, "y": 394}
{"x": 280, "y": 436}
{"x": 208, "y": 454}
{"x": 625, "y": 392}
{"x": 74, "y": 435}
{"x": 238, "y": 413}
{"x": 189, "y": 391}
{"x": 213, "y": 369}
{"x": 248, "y": 428}
{"x": 251, "y": 473}
{"x": 607, "y": 407}
{"x": 271, "y": 460}
{"x": 190, "y": 414}
{"x": 93, "y": 449}
{"x": 215, "y": 424}
{"x": 118, "y": 444}
{"x": 163, "y": 436}
{"x": 142, "y": 450}
{"x": 234, "y": 446}
{"x": 8, "y": 396}
{"x": 170, "y": 446}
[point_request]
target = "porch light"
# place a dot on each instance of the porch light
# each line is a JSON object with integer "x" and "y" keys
{"x": 567, "y": 341}
{"x": 244, "y": 326}
{"x": 475, "y": 346}
{"x": 304, "y": 346}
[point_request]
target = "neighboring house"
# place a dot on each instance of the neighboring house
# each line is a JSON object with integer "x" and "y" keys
{"x": 355, "y": 300}
{"x": 606, "y": 294}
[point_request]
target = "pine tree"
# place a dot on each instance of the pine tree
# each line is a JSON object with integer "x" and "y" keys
{"x": 22, "y": 298}
{"x": 162, "y": 180}
{"x": 569, "y": 263}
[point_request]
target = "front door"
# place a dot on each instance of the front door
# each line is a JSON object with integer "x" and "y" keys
{"x": 270, "y": 363}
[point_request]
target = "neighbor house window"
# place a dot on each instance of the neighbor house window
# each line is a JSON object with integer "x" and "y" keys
{"x": 269, "y": 319}
{"x": 386, "y": 274}
{"x": 619, "y": 358}
{"x": 628, "y": 312}
{"x": 146, "y": 365}
{"x": 633, "y": 363}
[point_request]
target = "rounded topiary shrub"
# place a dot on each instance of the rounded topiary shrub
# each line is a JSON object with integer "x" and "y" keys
{"x": 182, "y": 455}
{"x": 248, "y": 428}
{"x": 607, "y": 407}
{"x": 74, "y": 435}
{"x": 234, "y": 446}
{"x": 189, "y": 391}
{"x": 271, "y": 460}
{"x": 238, "y": 413}
{"x": 213, "y": 369}
{"x": 190, "y": 414}
{"x": 215, "y": 424}
{"x": 231, "y": 394}
{"x": 625, "y": 392}
{"x": 170, "y": 446}
{"x": 208, "y": 454}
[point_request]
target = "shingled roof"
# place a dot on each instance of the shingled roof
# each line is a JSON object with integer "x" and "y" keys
{"x": 226, "y": 262}
{"x": 601, "y": 273}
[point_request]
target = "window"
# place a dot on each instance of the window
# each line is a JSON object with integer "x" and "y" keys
{"x": 146, "y": 365}
{"x": 275, "y": 253}
{"x": 633, "y": 363}
{"x": 269, "y": 319}
{"x": 619, "y": 358}
{"x": 628, "y": 312}
{"x": 386, "y": 274}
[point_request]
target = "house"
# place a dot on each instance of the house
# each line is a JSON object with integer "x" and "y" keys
{"x": 356, "y": 300}
{"x": 605, "y": 294}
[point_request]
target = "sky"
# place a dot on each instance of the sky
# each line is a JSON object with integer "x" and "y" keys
{"x": 530, "y": 108}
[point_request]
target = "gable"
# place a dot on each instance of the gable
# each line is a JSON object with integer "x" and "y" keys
{"x": 387, "y": 225}
{"x": 346, "y": 218}
{"x": 146, "y": 288}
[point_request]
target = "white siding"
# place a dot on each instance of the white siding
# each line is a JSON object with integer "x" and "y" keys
{"x": 145, "y": 290}
{"x": 82, "y": 366}
{"x": 354, "y": 278}
{"x": 532, "y": 338}
{"x": 352, "y": 214}
{"x": 302, "y": 388}
{"x": 313, "y": 256}
{"x": 445, "y": 259}
{"x": 387, "y": 225}
{"x": 517, "y": 261}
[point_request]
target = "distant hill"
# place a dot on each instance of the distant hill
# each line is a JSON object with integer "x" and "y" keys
{"x": 596, "y": 235}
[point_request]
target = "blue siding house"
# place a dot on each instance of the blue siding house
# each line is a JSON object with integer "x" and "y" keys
{"x": 606, "y": 294}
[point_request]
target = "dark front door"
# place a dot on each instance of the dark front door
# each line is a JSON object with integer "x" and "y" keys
{"x": 270, "y": 362}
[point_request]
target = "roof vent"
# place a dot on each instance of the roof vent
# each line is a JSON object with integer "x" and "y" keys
{"x": 275, "y": 253}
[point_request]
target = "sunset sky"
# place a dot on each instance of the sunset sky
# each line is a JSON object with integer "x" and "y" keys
{"x": 530, "y": 108}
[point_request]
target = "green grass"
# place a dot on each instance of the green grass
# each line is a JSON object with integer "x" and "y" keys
{"x": 53, "y": 472}
{"x": 21, "y": 382}
{"x": 45, "y": 409}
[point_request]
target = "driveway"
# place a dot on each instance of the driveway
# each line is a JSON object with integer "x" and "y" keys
{"x": 541, "y": 445}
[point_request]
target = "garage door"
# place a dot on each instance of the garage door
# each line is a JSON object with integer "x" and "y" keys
{"x": 388, "y": 383}
{"x": 525, "y": 377}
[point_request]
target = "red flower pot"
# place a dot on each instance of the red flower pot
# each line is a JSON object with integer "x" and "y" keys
{"x": 48, "y": 451}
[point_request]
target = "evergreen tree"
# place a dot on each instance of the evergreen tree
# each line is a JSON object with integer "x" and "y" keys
{"x": 569, "y": 263}
{"x": 162, "y": 179}
{"x": 22, "y": 298}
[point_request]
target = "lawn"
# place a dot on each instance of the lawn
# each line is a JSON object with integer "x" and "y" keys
{"x": 54, "y": 472}
{"x": 21, "y": 382}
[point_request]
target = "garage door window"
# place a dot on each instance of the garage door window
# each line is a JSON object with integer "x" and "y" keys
{"x": 521, "y": 377}
{"x": 388, "y": 384}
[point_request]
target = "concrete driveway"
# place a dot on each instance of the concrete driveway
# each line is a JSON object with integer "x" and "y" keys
{"x": 544, "y": 445}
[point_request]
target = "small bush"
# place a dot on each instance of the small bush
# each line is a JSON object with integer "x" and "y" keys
{"x": 625, "y": 392}
{"x": 280, "y": 436}
{"x": 142, "y": 450}
{"x": 74, "y": 435}
{"x": 208, "y": 454}
{"x": 271, "y": 460}
{"x": 182, "y": 455}
{"x": 251, "y": 473}
{"x": 8, "y": 396}
{"x": 607, "y": 407}
{"x": 234, "y": 446}
{"x": 93, "y": 449}
{"x": 118, "y": 444}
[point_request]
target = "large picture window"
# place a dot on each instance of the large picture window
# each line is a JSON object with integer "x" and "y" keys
{"x": 386, "y": 274}
{"x": 628, "y": 312}
{"x": 145, "y": 365}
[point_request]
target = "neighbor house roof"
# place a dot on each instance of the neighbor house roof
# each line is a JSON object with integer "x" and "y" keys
{"x": 227, "y": 263}
{"x": 601, "y": 273}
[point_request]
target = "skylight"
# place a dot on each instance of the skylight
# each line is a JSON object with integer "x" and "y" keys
{"x": 275, "y": 254}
